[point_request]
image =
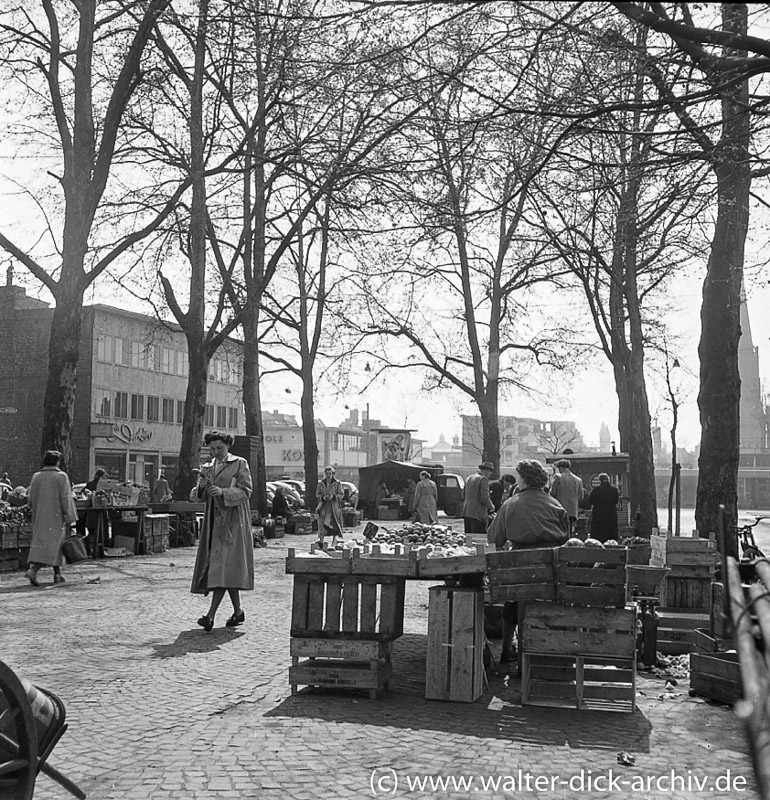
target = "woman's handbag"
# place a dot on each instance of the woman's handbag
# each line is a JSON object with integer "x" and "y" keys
{"x": 74, "y": 549}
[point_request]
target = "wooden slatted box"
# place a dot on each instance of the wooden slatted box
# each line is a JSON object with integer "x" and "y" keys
{"x": 156, "y": 533}
{"x": 348, "y": 606}
{"x": 591, "y": 576}
{"x": 676, "y": 629}
{"x": 716, "y": 676}
{"x": 341, "y": 663}
{"x": 693, "y": 562}
{"x": 454, "y": 665}
{"x": 9, "y": 559}
{"x": 522, "y": 574}
{"x": 582, "y": 682}
{"x": 581, "y": 657}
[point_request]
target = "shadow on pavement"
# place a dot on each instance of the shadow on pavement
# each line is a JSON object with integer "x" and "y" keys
{"x": 497, "y": 714}
{"x": 196, "y": 641}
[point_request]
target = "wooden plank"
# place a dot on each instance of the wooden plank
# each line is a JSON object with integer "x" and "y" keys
{"x": 350, "y": 606}
{"x": 342, "y": 674}
{"x": 439, "y": 630}
{"x": 451, "y": 565}
{"x": 525, "y": 591}
{"x": 368, "y": 608}
{"x": 315, "y": 604}
{"x": 586, "y": 556}
{"x": 350, "y": 650}
{"x": 392, "y": 608}
{"x": 614, "y": 596}
{"x": 716, "y": 688}
{"x": 386, "y": 567}
{"x": 299, "y": 605}
{"x": 507, "y": 559}
{"x": 719, "y": 665}
{"x": 316, "y": 565}
{"x": 333, "y": 604}
{"x": 530, "y": 573}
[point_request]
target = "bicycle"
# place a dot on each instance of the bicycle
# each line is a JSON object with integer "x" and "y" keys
{"x": 745, "y": 537}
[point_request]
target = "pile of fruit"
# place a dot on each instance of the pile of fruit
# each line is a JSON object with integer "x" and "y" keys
{"x": 440, "y": 540}
{"x": 12, "y": 516}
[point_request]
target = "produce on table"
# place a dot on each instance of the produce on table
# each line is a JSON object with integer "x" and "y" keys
{"x": 439, "y": 541}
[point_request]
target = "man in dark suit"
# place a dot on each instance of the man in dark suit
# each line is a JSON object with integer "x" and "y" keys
{"x": 477, "y": 505}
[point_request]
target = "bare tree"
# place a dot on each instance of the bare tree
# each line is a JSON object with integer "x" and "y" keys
{"x": 56, "y": 61}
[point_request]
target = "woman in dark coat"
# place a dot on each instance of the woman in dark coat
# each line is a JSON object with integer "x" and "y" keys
{"x": 604, "y": 511}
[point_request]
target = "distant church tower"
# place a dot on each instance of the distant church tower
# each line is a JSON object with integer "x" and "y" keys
{"x": 754, "y": 434}
{"x": 605, "y": 444}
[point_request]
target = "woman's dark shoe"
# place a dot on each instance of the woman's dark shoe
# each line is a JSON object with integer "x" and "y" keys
{"x": 206, "y": 623}
{"x": 236, "y": 619}
{"x": 31, "y": 577}
{"x": 58, "y": 578}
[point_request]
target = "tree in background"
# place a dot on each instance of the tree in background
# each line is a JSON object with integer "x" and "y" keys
{"x": 74, "y": 72}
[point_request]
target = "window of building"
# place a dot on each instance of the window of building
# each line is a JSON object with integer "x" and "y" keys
{"x": 104, "y": 349}
{"x": 137, "y": 406}
{"x": 136, "y": 355}
{"x": 154, "y": 357}
{"x": 232, "y": 421}
{"x": 122, "y": 351}
{"x": 114, "y": 464}
{"x": 153, "y": 408}
{"x": 179, "y": 412}
{"x": 208, "y": 417}
{"x": 212, "y": 370}
{"x": 167, "y": 360}
{"x": 221, "y": 417}
{"x": 182, "y": 363}
{"x": 168, "y": 410}
{"x": 103, "y": 401}
{"x": 236, "y": 372}
{"x": 120, "y": 407}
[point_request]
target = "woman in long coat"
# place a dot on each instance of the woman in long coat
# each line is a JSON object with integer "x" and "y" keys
{"x": 604, "y": 510}
{"x": 225, "y": 559}
{"x": 425, "y": 498}
{"x": 53, "y": 511}
{"x": 329, "y": 494}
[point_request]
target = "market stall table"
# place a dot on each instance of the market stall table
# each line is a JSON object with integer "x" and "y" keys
{"x": 97, "y": 521}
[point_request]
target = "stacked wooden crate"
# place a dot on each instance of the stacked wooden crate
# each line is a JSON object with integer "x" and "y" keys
{"x": 156, "y": 533}
{"x": 344, "y": 623}
{"x": 577, "y": 636}
{"x": 685, "y": 596}
{"x": 9, "y": 547}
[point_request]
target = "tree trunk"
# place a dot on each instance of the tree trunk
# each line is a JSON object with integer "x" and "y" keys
{"x": 252, "y": 400}
{"x": 194, "y": 412}
{"x": 309, "y": 436}
{"x": 490, "y": 427}
{"x": 720, "y": 384}
{"x": 63, "y": 355}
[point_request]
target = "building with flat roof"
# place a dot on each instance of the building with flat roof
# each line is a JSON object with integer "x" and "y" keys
{"x": 131, "y": 387}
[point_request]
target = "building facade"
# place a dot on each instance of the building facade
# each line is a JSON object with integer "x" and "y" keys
{"x": 131, "y": 387}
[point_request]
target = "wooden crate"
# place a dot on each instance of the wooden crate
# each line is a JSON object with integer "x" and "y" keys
{"x": 9, "y": 559}
{"x": 454, "y": 665}
{"x": 347, "y": 606}
{"x": 318, "y": 562}
{"x": 582, "y": 682}
{"x": 386, "y": 513}
{"x": 716, "y": 676}
{"x": 25, "y": 535}
{"x": 155, "y": 544}
{"x": 588, "y": 576}
{"x": 693, "y": 593}
{"x": 442, "y": 567}
{"x": 704, "y": 642}
{"x": 340, "y": 663}
{"x": 372, "y": 560}
{"x": 522, "y": 574}
{"x": 9, "y": 537}
{"x": 350, "y": 517}
{"x": 676, "y": 630}
{"x": 573, "y": 630}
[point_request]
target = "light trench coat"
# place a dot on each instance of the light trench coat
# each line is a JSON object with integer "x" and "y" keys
{"x": 225, "y": 556}
{"x": 53, "y": 511}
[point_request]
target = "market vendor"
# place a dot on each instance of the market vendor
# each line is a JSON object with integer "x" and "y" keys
{"x": 529, "y": 518}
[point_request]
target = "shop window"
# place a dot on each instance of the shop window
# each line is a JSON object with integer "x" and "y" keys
{"x": 232, "y": 421}
{"x": 179, "y": 412}
{"x": 168, "y": 410}
{"x": 103, "y": 400}
{"x": 120, "y": 408}
{"x": 114, "y": 464}
{"x": 137, "y": 406}
{"x": 221, "y": 417}
{"x": 153, "y": 408}
{"x": 208, "y": 417}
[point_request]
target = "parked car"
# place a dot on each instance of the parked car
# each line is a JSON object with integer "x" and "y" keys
{"x": 292, "y": 496}
{"x": 298, "y": 485}
{"x": 450, "y": 493}
{"x": 290, "y": 492}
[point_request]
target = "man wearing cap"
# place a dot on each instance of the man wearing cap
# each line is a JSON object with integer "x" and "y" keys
{"x": 478, "y": 505}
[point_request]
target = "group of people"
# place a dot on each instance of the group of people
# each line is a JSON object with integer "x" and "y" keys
{"x": 484, "y": 498}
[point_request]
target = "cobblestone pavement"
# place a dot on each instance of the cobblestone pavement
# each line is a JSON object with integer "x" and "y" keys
{"x": 158, "y": 708}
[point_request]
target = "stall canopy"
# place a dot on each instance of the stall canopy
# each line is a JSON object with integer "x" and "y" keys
{"x": 394, "y": 473}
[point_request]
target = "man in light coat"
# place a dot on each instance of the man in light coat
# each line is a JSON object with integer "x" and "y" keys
{"x": 568, "y": 489}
